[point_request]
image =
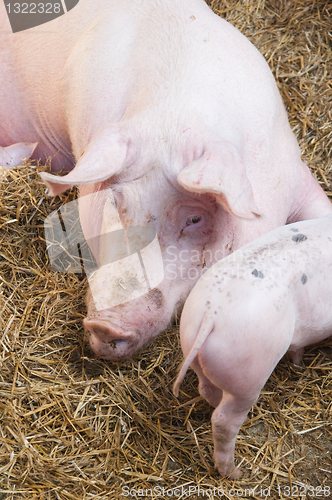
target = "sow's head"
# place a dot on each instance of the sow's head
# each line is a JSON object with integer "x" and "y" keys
{"x": 145, "y": 241}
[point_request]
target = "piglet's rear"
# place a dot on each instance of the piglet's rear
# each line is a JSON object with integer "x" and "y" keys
{"x": 271, "y": 296}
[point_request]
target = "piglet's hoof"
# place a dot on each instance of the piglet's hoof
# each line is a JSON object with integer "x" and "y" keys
{"x": 234, "y": 474}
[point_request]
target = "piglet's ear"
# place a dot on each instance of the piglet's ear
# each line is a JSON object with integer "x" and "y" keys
{"x": 102, "y": 158}
{"x": 220, "y": 171}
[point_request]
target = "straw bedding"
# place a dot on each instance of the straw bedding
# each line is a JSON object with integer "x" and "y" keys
{"x": 75, "y": 427}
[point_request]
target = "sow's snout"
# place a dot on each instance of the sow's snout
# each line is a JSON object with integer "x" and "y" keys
{"x": 125, "y": 307}
{"x": 118, "y": 332}
{"x": 110, "y": 341}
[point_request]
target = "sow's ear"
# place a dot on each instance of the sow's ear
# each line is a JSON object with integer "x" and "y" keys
{"x": 16, "y": 154}
{"x": 103, "y": 157}
{"x": 221, "y": 172}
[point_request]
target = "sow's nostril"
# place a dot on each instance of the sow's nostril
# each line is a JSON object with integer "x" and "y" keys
{"x": 110, "y": 341}
{"x": 105, "y": 331}
{"x": 102, "y": 330}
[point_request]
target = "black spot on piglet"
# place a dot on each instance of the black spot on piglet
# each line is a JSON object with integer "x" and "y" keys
{"x": 294, "y": 230}
{"x": 304, "y": 278}
{"x": 299, "y": 237}
{"x": 257, "y": 274}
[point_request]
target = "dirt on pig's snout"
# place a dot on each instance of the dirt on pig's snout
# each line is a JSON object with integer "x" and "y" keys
{"x": 118, "y": 333}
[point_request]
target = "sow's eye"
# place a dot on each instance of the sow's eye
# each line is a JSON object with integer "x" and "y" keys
{"x": 194, "y": 219}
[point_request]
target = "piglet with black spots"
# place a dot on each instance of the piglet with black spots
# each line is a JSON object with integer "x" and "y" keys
{"x": 270, "y": 297}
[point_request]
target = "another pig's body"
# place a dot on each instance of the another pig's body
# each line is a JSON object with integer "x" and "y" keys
{"x": 271, "y": 296}
{"x": 177, "y": 112}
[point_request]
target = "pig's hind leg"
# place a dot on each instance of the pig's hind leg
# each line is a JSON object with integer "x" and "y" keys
{"x": 227, "y": 420}
{"x": 206, "y": 388}
{"x": 296, "y": 356}
{"x": 229, "y": 414}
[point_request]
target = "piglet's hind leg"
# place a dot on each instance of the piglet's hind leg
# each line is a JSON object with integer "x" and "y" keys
{"x": 207, "y": 389}
{"x": 226, "y": 420}
{"x": 296, "y": 356}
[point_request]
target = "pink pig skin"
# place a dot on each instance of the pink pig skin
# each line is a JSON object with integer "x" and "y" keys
{"x": 270, "y": 297}
{"x": 177, "y": 112}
